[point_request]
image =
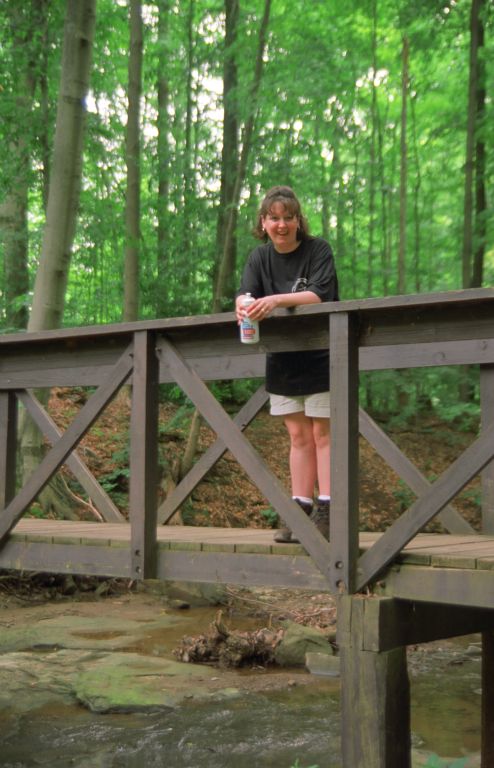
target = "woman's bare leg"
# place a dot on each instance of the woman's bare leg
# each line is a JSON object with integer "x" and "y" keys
{"x": 322, "y": 441}
{"x": 303, "y": 456}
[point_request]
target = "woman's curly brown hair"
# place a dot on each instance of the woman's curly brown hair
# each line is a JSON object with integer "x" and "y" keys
{"x": 287, "y": 197}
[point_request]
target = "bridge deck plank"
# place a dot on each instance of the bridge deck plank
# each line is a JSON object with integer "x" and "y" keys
{"x": 436, "y": 549}
{"x": 456, "y": 569}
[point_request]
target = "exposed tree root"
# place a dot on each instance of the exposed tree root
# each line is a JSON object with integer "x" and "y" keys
{"x": 230, "y": 648}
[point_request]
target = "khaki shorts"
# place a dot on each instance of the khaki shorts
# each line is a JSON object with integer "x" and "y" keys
{"x": 314, "y": 406}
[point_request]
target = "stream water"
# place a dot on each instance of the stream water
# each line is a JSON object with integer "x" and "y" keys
{"x": 253, "y": 731}
{"x": 273, "y": 729}
{"x": 298, "y": 725}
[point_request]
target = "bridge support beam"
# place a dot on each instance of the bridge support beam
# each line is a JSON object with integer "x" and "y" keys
{"x": 487, "y": 737}
{"x": 8, "y": 430}
{"x": 144, "y": 457}
{"x": 375, "y": 695}
{"x": 373, "y": 633}
{"x": 487, "y": 475}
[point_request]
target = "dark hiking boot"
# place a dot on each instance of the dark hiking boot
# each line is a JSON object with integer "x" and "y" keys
{"x": 284, "y": 535}
{"x": 320, "y": 518}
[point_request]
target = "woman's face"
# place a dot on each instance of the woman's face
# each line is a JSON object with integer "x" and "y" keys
{"x": 281, "y": 228}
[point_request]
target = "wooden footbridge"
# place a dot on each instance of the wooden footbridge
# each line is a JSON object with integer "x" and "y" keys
{"x": 395, "y": 588}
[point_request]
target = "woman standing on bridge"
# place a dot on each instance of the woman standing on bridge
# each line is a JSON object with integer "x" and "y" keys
{"x": 292, "y": 268}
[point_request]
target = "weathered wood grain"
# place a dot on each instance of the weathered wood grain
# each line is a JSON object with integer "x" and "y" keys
{"x": 8, "y": 452}
{"x": 144, "y": 455}
{"x": 375, "y": 699}
{"x": 344, "y": 461}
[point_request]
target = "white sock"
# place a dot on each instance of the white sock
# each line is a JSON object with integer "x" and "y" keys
{"x": 322, "y": 497}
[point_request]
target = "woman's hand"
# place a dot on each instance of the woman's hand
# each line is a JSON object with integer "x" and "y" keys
{"x": 258, "y": 310}
{"x": 261, "y": 308}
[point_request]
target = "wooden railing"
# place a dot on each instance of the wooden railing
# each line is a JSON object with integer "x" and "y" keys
{"x": 455, "y": 328}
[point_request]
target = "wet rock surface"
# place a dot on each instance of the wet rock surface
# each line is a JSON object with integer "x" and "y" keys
{"x": 116, "y": 655}
{"x": 66, "y": 662}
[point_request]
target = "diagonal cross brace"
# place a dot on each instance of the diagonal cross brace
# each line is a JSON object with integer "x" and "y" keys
{"x": 215, "y": 451}
{"x": 405, "y": 469}
{"x": 66, "y": 444}
{"x": 188, "y": 380}
{"x": 466, "y": 466}
{"x": 52, "y": 433}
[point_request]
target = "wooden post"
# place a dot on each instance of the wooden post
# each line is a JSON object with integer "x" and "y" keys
{"x": 487, "y": 475}
{"x": 8, "y": 430}
{"x": 344, "y": 523}
{"x": 144, "y": 457}
{"x": 375, "y": 694}
{"x": 487, "y": 734}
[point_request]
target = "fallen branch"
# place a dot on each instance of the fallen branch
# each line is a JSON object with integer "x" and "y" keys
{"x": 88, "y": 504}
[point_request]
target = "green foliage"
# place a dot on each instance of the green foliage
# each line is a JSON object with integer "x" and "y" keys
{"x": 320, "y": 121}
{"x": 270, "y": 516}
{"x": 398, "y": 396}
{"x": 404, "y": 496}
{"x": 235, "y": 392}
{"x": 121, "y": 456}
{"x": 474, "y": 496}
{"x": 191, "y": 512}
{"x": 35, "y": 510}
{"x": 113, "y": 479}
{"x": 116, "y": 483}
{"x": 434, "y": 761}
{"x": 465, "y": 416}
{"x": 299, "y": 765}
{"x": 173, "y": 394}
{"x": 179, "y": 421}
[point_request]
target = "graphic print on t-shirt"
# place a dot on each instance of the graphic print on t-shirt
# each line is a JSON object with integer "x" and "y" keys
{"x": 300, "y": 284}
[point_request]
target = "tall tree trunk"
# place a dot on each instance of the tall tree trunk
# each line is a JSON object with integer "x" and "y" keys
{"x": 51, "y": 277}
{"x": 340, "y": 200}
{"x": 14, "y": 235}
{"x": 163, "y": 157}
{"x": 44, "y": 138}
{"x": 385, "y": 228}
{"x": 474, "y": 176}
{"x": 402, "y": 245}
{"x": 229, "y": 154}
{"x": 391, "y": 198}
{"x": 372, "y": 157}
{"x": 416, "y": 202}
{"x": 26, "y": 24}
{"x": 480, "y": 223}
{"x": 65, "y": 177}
{"x": 132, "y": 154}
{"x": 352, "y": 290}
{"x": 470, "y": 145}
{"x": 188, "y": 171}
{"x": 219, "y": 297}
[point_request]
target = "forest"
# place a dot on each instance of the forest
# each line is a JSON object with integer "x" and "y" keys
{"x": 138, "y": 139}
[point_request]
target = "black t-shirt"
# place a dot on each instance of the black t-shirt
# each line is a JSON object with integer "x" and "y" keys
{"x": 310, "y": 267}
